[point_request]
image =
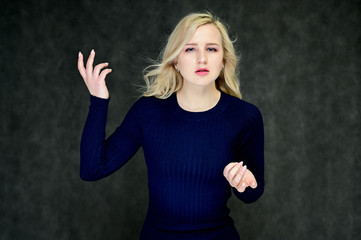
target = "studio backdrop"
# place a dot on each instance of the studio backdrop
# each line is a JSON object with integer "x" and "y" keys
{"x": 299, "y": 64}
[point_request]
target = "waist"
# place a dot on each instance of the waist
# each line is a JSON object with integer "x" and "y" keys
{"x": 188, "y": 209}
{"x": 170, "y": 223}
{"x": 221, "y": 230}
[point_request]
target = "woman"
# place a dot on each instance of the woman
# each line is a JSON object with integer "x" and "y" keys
{"x": 200, "y": 140}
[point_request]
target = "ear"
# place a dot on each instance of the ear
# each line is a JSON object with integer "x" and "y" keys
{"x": 175, "y": 63}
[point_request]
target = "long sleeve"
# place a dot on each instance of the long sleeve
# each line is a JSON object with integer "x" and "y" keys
{"x": 185, "y": 154}
{"x": 100, "y": 157}
{"x": 252, "y": 153}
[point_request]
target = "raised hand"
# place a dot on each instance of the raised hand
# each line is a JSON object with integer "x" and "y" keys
{"x": 239, "y": 176}
{"x": 94, "y": 78}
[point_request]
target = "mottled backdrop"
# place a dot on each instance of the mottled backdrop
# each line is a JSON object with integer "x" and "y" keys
{"x": 300, "y": 64}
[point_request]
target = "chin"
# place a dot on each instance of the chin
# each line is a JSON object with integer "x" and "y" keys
{"x": 205, "y": 81}
{"x": 199, "y": 81}
{"x": 202, "y": 83}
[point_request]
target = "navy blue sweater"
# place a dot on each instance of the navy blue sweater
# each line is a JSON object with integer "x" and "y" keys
{"x": 185, "y": 154}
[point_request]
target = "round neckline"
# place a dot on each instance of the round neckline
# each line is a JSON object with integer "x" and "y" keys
{"x": 184, "y": 114}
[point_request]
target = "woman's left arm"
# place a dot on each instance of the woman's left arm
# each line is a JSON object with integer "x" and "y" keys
{"x": 248, "y": 182}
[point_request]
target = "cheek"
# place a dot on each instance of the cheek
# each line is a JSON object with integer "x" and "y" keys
{"x": 218, "y": 62}
{"x": 182, "y": 62}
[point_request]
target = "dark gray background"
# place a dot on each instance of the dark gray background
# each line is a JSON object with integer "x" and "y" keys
{"x": 300, "y": 65}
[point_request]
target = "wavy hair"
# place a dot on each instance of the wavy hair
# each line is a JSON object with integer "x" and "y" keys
{"x": 162, "y": 79}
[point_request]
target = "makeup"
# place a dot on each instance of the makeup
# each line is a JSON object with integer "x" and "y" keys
{"x": 202, "y": 71}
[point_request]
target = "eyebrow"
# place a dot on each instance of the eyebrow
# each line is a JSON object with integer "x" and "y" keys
{"x": 194, "y": 44}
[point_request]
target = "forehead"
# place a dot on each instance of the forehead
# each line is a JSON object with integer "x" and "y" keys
{"x": 206, "y": 33}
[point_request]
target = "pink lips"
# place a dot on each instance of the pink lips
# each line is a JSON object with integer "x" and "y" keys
{"x": 202, "y": 71}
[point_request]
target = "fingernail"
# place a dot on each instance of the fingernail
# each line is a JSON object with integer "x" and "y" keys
{"x": 79, "y": 54}
{"x": 244, "y": 168}
{"x": 92, "y": 52}
{"x": 241, "y": 163}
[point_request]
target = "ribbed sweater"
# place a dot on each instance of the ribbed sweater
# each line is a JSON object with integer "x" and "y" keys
{"x": 185, "y": 154}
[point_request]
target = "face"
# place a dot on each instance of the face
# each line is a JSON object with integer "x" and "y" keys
{"x": 201, "y": 59}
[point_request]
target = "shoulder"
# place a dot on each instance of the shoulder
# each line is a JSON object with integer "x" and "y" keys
{"x": 244, "y": 115}
{"x": 149, "y": 107}
{"x": 148, "y": 103}
{"x": 241, "y": 108}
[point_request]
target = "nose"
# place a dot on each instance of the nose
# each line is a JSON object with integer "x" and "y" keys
{"x": 202, "y": 57}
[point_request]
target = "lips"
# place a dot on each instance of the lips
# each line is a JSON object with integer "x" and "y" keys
{"x": 202, "y": 71}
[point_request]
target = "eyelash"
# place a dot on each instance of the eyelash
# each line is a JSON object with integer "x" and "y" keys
{"x": 212, "y": 49}
{"x": 189, "y": 49}
{"x": 192, "y": 49}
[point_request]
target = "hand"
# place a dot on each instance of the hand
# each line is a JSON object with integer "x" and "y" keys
{"x": 239, "y": 176}
{"x": 93, "y": 78}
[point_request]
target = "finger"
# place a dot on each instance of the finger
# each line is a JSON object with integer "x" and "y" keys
{"x": 104, "y": 73}
{"x": 98, "y": 67}
{"x": 89, "y": 63}
{"x": 232, "y": 173}
{"x": 253, "y": 184}
{"x": 239, "y": 177}
{"x": 81, "y": 66}
{"x": 250, "y": 179}
{"x": 242, "y": 187}
{"x": 227, "y": 168}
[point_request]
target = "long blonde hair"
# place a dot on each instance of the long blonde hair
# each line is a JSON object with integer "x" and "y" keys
{"x": 162, "y": 79}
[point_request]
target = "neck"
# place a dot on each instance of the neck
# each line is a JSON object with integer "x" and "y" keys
{"x": 198, "y": 99}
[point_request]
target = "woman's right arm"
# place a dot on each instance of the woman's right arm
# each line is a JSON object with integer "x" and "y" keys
{"x": 100, "y": 157}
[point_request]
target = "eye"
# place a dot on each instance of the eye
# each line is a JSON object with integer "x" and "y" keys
{"x": 212, "y": 49}
{"x": 190, "y": 49}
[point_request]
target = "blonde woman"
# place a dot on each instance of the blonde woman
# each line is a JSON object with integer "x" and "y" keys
{"x": 200, "y": 140}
